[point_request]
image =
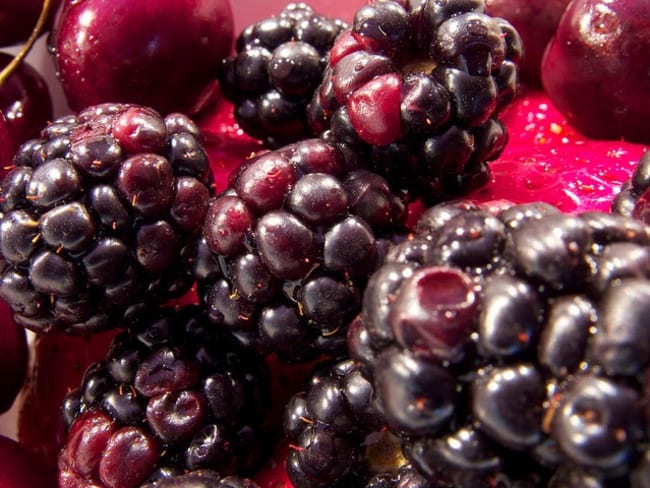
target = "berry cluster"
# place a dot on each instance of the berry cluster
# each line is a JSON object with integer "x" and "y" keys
{"x": 287, "y": 248}
{"x": 513, "y": 345}
{"x": 174, "y": 395}
{"x": 95, "y": 215}
{"x": 278, "y": 65}
{"x": 415, "y": 90}
{"x": 482, "y": 347}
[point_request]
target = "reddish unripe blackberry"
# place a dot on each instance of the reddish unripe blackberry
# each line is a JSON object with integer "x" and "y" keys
{"x": 174, "y": 395}
{"x": 278, "y": 64}
{"x": 414, "y": 91}
{"x": 287, "y": 249}
{"x": 512, "y": 344}
{"x": 96, "y": 214}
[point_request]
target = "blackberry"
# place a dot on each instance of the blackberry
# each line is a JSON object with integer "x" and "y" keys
{"x": 414, "y": 91}
{"x": 634, "y": 196}
{"x": 287, "y": 248}
{"x": 202, "y": 479}
{"x": 174, "y": 395}
{"x": 511, "y": 346}
{"x": 278, "y": 64}
{"x": 95, "y": 215}
{"x": 335, "y": 432}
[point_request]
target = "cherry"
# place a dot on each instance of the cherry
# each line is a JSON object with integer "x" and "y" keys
{"x": 25, "y": 102}
{"x": 536, "y": 21}
{"x": 6, "y": 145}
{"x": 159, "y": 53}
{"x": 13, "y": 358}
{"x": 17, "y": 19}
{"x": 60, "y": 361}
{"x": 21, "y": 469}
{"x": 595, "y": 68}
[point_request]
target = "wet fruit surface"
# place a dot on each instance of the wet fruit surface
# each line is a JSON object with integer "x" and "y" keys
{"x": 595, "y": 69}
{"x": 547, "y": 159}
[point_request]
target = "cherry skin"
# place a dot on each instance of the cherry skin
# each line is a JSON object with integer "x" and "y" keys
{"x": 159, "y": 53}
{"x": 6, "y": 146}
{"x": 18, "y": 18}
{"x": 595, "y": 68}
{"x": 25, "y": 102}
{"x": 13, "y": 358}
{"x": 21, "y": 469}
{"x": 536, "y": 21}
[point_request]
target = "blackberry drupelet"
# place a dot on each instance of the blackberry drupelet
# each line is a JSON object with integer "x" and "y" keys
{"x": 174, "y": 395}
{"x": 95, "y": 216}
{"x": 634, "y": 197}
{"x": 278, "y": 64}
{"x": 202, "y": 479}
{"x": 287, "y": 249}
{"x": 512, "y": 346}
{"x": 414, "y": 91}
{"x": 335, "y": 433}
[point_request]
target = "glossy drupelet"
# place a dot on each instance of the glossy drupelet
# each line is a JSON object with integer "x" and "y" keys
{"x": 512, "y": 345}
{"x": 287, "y": 249}
{"x": 634, "y": 198}
{"x": 414, "y": 91}
{"x": 326, "y": 426}
{"x": 174, "y": 395}
{"x": 202, "y": 479}
{"x": 279, "y": 62}
{"x": 95, "y": 216}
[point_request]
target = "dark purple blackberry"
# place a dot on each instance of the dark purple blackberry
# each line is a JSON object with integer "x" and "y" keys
{"x": 202, "y": 479}
{"x": 278, "y": 64}
{"x": 287, "y": 249}
{"x": 414, "y": 91}
{"x": 96, "y": 214}
{"x": 512, "y": 347}
{"x": 335, "y": 431}
{"x": 174, "y": 395}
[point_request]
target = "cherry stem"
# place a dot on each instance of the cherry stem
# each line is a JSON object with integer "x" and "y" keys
{"x": 38, "y": 29}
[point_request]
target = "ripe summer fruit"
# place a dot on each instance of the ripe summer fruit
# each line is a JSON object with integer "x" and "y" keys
{"x": 96, "y": 215}
{"x": 511, "y": 345}
{"x": 173, "y": 395}
{"x": 415, "y": 91}
{"x": 6, "y": 146}
{"x": 13, "y": 358}
{"x": 595, "y": 69}
{"x": 17, "y": 19}
{"x": 163, "y": 54}
{"x": 278, "y": 63}
{"x": 25, "y": 102}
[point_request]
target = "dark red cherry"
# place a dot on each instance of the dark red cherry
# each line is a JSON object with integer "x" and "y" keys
{"x": 21, "y": 469}
{"x": 158, "y": 53}
{"x": 25, "y": 102}
{"x": 595, "y": 68}
{"x": 13, "y": 358}
{"x": 18, "y": 18}
{"x": 6, "y": 152}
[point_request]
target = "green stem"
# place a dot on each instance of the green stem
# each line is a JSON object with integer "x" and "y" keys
{"x": 38, "y": 29}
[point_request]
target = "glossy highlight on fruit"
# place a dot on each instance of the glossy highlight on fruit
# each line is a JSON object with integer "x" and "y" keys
{"x": 595, "y": 69}
{"x": 25, "y": 102}
{"x": 163, "y": 54}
